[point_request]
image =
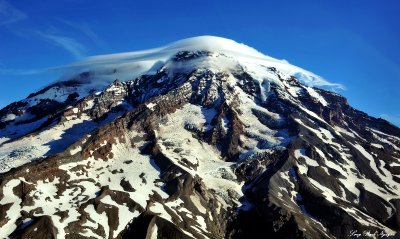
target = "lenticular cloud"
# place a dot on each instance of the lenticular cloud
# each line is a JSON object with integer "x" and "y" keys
{"x": 129, "y": 65}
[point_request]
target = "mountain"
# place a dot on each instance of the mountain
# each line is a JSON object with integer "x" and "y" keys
{"x": 202, "y": 138}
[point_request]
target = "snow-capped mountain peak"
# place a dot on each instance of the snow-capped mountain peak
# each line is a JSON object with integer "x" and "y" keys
{"x": 202, "y": 138}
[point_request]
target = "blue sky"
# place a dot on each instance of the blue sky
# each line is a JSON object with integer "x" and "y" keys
{"x": 355, "y": 43}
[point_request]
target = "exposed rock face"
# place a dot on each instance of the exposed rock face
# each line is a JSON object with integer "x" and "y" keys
{"x": 203, "y": 152}
{"x": 38, "y": 228}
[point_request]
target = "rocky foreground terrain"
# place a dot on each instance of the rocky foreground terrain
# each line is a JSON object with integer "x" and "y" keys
{"x": 205, "y": 138}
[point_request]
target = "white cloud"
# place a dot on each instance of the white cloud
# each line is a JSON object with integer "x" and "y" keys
{"x": 84, "y": 28}
{"x": 9, "y": 14}
{"x": 395, "y": 119}
{"x": 69, "y": 44}
{"x": 318, "y": 81}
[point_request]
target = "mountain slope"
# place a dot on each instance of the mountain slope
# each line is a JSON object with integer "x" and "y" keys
{"x": 204, "y": 138}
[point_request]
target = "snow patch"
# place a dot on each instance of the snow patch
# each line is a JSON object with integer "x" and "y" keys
{"x": 314, "y": 94}
{"x": 8, "y": 117}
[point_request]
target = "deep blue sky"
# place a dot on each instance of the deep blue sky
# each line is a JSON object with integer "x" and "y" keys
{"x": 355, "y": 43}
